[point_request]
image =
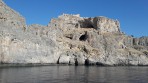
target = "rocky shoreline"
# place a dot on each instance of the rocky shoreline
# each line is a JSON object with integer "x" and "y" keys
{"x": 68, "y": 39}
{"x": 48, "y": 64}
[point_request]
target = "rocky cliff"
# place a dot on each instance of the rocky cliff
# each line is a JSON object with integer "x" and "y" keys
{"x": 68, "y": 39}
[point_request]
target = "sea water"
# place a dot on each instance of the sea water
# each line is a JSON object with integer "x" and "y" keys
{"x": 74, "y": 74}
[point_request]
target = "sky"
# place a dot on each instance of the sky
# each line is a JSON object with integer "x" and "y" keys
{"x": 132, "y": 14}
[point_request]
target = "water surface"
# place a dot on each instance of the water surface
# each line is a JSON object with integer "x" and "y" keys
{"x": 73, "y": 74}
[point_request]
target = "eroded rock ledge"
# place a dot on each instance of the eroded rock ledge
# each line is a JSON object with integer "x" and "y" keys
{"x": 68, "y": 39}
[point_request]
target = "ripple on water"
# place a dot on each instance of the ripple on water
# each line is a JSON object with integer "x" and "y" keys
{"x": 74, "y": 74}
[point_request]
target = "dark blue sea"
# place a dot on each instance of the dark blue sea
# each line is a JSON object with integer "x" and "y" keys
{"x": 74, "y": 74}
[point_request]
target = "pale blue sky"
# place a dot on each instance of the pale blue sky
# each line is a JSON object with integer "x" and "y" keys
{"x": 132, "y": 14}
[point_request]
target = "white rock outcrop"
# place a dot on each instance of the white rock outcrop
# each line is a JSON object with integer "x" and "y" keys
{"x": 68, "y": 39}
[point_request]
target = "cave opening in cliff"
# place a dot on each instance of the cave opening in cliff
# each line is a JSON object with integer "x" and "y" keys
{"x": 86, "y": 23}
{"x": 83, "y": 37}
{"x": 87, "y": 62}
{"x": 89, "y": 25}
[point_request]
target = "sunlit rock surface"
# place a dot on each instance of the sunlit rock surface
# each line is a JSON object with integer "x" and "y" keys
{"x": 68, "y": 39}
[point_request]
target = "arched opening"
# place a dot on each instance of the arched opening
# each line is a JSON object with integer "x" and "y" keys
{"x": 87, "y": 62}
{"x": 76, "y": 62}
{"x": 83, "y": 37}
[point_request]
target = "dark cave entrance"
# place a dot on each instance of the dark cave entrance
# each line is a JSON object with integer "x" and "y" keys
{"x": 86, "y": 23}
{"x": 83, "y": 37}
{"x": 89, "y": 25}
{"x": 87, "y": 62}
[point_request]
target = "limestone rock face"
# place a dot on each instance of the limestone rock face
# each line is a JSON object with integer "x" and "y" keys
{"x": 106, "y": 25}
{"x": 68, "y": 39}
{"x": 29, "y": 44}
{"x": 10, "y": 17}
{"x": 101, "y": 24}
